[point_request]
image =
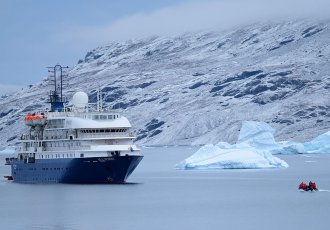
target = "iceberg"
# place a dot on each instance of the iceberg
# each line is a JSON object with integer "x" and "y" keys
{"x": 213, "y": 157}
{"x": 255, "y": 148}
{"x": 252, "y": 150}
{"x": 320, "y": 144}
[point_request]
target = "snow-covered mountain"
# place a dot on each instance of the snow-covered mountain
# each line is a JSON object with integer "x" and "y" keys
{"x": 198, "y": 87}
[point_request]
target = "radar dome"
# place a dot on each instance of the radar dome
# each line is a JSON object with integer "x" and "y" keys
{"x": 80, "y": 99}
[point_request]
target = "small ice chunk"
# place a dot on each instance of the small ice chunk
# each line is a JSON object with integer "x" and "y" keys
{"x": 7, "y": 150}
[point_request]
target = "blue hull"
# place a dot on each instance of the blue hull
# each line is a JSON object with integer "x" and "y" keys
{"x": 96, "y": 170}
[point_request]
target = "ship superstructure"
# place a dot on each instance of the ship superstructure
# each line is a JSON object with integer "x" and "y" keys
{"x": 76, "y": 144}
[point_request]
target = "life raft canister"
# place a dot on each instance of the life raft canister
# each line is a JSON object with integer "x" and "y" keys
{"x": 35, "y": 119}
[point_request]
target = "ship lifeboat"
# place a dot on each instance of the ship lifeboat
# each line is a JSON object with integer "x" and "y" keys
{"x": 35, "y": 119}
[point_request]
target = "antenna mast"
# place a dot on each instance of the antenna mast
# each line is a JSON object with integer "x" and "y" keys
{"x": 56, "y": 98}
{"x": 99, "y": 99}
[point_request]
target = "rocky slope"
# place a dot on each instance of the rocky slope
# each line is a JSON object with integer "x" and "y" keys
{"x": 198, "y": 87}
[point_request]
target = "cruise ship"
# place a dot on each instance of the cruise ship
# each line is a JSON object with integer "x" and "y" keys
{"x": 81, "y": 143}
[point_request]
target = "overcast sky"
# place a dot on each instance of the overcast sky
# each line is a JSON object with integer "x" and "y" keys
{"x": 40, "y": 33}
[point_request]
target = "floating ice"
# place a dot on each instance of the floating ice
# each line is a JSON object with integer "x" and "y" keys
{"x": 7, "y": 150}
{"x": 214, "y": 157}
{"x": 254, "y": 149}
{"x": 320, "y": 144}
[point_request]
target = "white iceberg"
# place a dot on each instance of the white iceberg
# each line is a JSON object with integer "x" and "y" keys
{"x": 252, "y": 150}
{"x": 213, "y": 157}
{"x": 320, "y": 144}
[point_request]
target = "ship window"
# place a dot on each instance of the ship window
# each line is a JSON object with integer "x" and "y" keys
{"x": 103, "y": 117}
{"x": 102, "y": 131}
{"x": 81, "y": 155}
{"x": 95, "y": 117}
{"x": 109, "y": 117}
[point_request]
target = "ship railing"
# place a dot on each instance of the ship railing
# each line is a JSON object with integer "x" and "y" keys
{"x": 80, "y": 114}
{"x": 100, "y": 135}
{"x": 9, "y": 160}
{"x": 68, "y": 147}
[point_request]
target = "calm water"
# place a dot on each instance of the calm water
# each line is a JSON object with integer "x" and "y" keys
{"x": 160, "y": 197}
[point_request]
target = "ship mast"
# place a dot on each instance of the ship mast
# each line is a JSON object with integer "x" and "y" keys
{"x": 56, "y": 98}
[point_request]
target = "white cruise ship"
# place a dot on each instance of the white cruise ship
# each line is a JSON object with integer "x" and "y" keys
{"x": 74, "y": 144}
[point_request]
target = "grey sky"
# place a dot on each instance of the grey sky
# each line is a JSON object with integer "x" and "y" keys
{"x": 40, "y": 33}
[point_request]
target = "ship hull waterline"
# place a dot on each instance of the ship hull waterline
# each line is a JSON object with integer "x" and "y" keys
{"x": 94, "y": 170}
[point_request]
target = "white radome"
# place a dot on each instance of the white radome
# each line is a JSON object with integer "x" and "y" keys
{"x": 80, "y": 100}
